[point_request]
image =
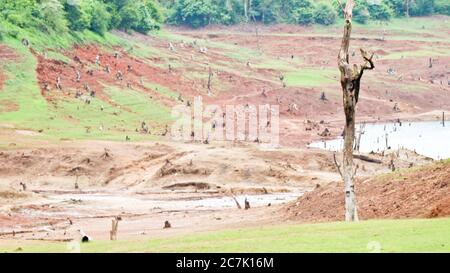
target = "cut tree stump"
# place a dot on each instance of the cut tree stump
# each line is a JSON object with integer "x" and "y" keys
{"x": 114, "y": 227}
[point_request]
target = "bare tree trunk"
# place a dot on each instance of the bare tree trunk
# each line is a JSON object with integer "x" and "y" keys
{"x": 256, "y": 33}
{"x": 358, "y": 140}
{"x": 443, "y": 119}
{"x": 350, "y": 82}
{"x": 350, "y": 196}
{"x": 236, "y": 201}
{"x": 210, "y": 78}
{"x": 113, "y": 232}
{"x": 228, "y": 5}
{"x": 246, "y": 9}
{"x": 407, "y": 8}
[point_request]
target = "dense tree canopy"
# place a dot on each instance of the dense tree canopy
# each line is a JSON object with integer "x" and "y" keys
{"x": 78, "y": 15}
{"x": 197, "y": 13}
{"x": 145, "y": 15}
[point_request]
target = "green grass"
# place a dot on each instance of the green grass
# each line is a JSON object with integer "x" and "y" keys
{"x": 167, "y": 92}
{"x": 417, "y": 53}
{"x": 310, "y": 77}
{"x": 425, "y": 29}
{"x": 69, "y": 118}
{"x": 22, "y": 105}
{"x": 423, "y": 235}
{"x": 21, "y": 89}
{"x": 139, "y": 105}
{"x": 410, "y": 27}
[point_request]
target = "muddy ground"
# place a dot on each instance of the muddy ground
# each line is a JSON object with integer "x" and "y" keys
{"x": 50, "y": 193}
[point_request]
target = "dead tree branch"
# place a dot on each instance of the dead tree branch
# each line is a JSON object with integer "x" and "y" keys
{"x": 337, "y": 165}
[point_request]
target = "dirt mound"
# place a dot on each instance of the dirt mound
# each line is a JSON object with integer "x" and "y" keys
{"x": 11, "y": 194}
{"x": 410, "y": 193}
{"x": 195, "y": 185}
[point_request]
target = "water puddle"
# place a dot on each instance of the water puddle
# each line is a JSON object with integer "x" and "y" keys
{"x": 115, "y": 202}
{"x": 428, "y": 138}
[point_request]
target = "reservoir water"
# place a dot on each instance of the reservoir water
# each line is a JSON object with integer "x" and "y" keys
{"x": 428, "y": 138}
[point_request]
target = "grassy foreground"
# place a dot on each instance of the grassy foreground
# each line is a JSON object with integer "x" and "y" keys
{"x": 424, "y": 235}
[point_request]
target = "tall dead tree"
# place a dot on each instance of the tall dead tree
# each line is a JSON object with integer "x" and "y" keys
{"x": 350, "y": 81}
{"x": 407, "y": 2}
{"x": 210, "y": 75}
{"x": 256, "y": 31}
{"x": 247, "y": 7}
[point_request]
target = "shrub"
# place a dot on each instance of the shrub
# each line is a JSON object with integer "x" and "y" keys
{"x": 304, "y": 16}
{"x": 442, "y": 7}
{"x": 397, "y": 6}
{"x": 196, "y": 13}
{"x": 101, "y": 19}
{"x": 19, "y": 12}
{"x": 422, "y": 7}
{"x": 324, "y": 14}
{"x": 361, "y": 14}
{"x": 380, "y": 12}
{"x": 51, "y": 12}
{"x": 78, "y": 14}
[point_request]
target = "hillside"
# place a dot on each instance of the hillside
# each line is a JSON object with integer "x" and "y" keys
{"x": 245, "y": 67}
{"x": 422, "y": 192}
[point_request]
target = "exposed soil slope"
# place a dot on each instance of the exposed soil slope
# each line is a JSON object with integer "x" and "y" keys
{"x": 2, "y": 79}
{"x": 5, "y": 54}
{"x": 410, "y": 193}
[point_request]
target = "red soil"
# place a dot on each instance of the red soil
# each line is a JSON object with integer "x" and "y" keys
{"x": 415, "y": 87}
{"x": 83, "y": 60}
{"x": 5, "y": 54}
{"x": 424, "y": 193}
{"x": 2, "y": 79}
{"x": 244, "y": 84}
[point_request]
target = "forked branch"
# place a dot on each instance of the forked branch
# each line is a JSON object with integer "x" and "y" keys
{"x": 355, "y": 171}
{"x": 337, "y": 165}
{"x": 368, "y": 64}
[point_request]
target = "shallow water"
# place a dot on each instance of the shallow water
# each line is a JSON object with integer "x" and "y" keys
{"x": 428, "y": 138}
{"x": 108, "y": 201}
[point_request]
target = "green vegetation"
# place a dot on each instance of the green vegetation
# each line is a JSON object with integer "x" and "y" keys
{"x": 52, "y": 26}
{"x": 417, "y": 53}
{"x": 21, "y": 90}
{"x": 162, "y": 90}
{"x": 424, "y": 235}
{"x": 309, "y": 77}
{"x": 198, "y": 13}
{"x": 57, "y": 16}
{"x": 23, "y": 106}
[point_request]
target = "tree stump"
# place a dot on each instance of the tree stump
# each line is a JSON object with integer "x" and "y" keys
{"x": 247, "y": 204}
{"x": 114, "y": 227}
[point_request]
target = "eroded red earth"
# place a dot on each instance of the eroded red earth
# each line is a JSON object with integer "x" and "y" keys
{"x": 424, "y": 193}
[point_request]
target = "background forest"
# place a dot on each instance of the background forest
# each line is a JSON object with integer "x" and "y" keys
{"x": 100, "y": 16}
